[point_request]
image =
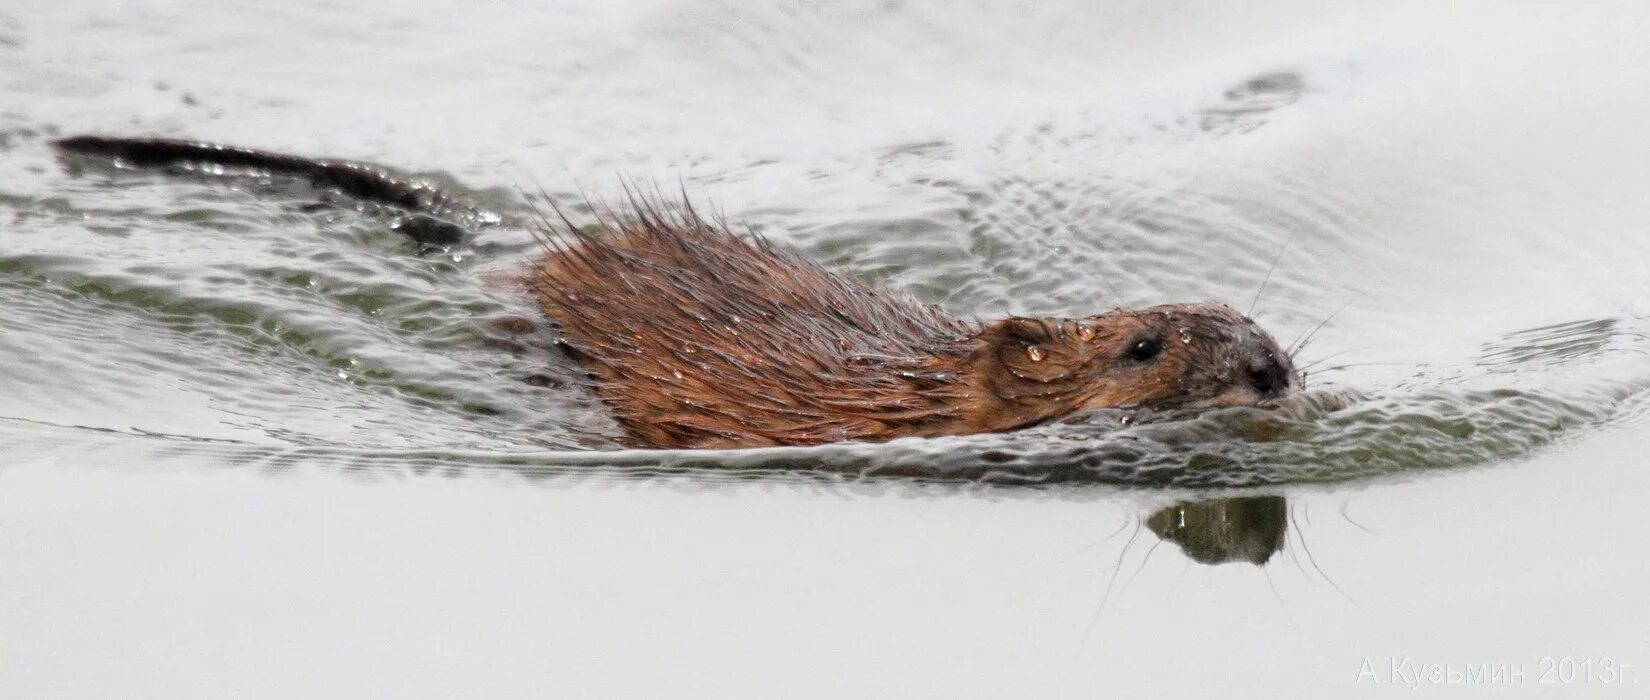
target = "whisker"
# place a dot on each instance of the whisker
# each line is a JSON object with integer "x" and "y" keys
{"x": 1369, "y": 364}
{"x": 1116, "y": 569}
{"x": 1117, "y": 298}
{"x": 1325, "y": 358}
{"x": 1300, "y": 342}
{"x": 1288, "y": 537}
{"x": 1301, "y": 536}
{"x": 1348, "y": 517}
{"x": 1143, "y": 562}
{"x": 1268, "y": 277}
{"x": 1266, "y": 573}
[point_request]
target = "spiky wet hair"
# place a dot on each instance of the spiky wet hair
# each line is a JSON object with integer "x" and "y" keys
{"x": 699, "y": 337}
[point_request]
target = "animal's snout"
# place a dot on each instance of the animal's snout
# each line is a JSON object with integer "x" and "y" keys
{"x": 1268, "y": 374}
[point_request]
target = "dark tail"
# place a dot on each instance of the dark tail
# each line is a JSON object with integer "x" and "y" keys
{"x": 427, "y": 211}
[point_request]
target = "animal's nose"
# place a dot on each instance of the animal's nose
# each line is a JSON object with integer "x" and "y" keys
{"x": 1268, "y": 375}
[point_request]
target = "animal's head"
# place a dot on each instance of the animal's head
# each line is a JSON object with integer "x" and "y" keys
{"x": 1171, "y": 356}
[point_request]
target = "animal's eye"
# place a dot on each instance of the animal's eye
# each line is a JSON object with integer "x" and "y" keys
{"x": 1145, "y": 349}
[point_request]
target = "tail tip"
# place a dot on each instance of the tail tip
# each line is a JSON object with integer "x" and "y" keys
{"x": 81, "y": 143}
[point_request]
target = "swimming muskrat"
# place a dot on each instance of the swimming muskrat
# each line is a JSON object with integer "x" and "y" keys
{"x": 696, "y": 337}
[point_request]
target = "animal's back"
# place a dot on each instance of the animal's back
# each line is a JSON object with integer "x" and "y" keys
{"x": 698, "y": 338}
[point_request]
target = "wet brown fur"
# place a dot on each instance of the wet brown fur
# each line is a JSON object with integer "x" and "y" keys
{"x": 696, "y": 337}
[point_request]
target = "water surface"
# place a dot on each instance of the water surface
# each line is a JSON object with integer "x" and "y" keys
{"x": 259, "y": 445}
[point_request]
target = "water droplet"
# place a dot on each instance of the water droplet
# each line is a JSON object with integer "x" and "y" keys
{"x": 1035, "y": 353}
{"x": 1185, "y": 335}
{"x": 677, "y": 372}
{"x": 1085, "y": 331}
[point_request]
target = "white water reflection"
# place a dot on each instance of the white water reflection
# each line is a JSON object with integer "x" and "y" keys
{"x": 1466, "y": 180}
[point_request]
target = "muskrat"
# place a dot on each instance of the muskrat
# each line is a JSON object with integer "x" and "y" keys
{"x": 698, "y": 338}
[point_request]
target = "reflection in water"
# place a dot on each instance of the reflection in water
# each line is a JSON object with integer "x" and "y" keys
{"x": 1247, "y": 105}
{"x": 1553, "y": 344}
{"x": 1247, "y": 529}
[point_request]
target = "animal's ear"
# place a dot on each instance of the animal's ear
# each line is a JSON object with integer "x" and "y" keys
{"x": 1030, "y": 349}
{"x": 1024, "y": 330}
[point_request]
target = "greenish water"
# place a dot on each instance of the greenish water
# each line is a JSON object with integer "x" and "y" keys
{"x": 263, "y": 433}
